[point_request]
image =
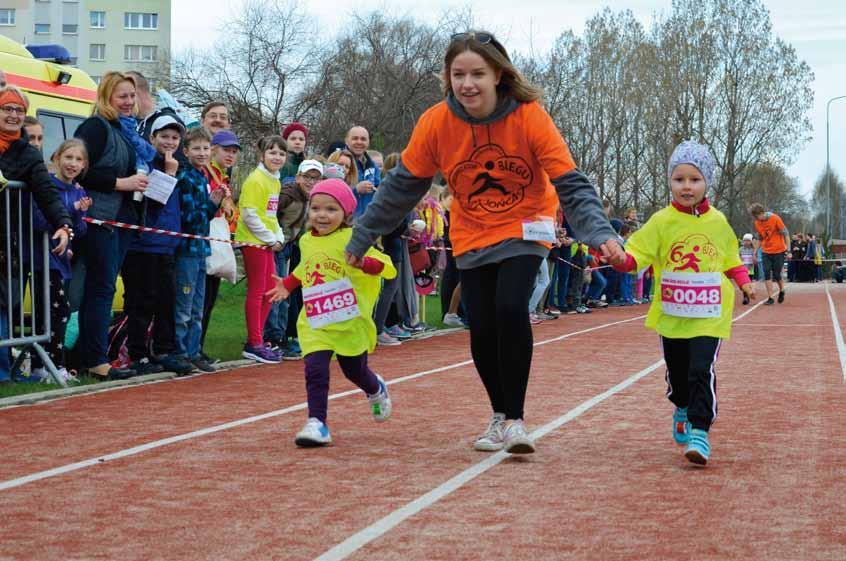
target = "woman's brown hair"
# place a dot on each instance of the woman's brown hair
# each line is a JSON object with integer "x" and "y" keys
{"x": 390, "y": 162}
{"x": 511, "y": 82}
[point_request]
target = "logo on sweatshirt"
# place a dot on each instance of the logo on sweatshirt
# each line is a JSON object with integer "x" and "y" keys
{"x": 320, "y": 269}
{"x": 491, "y": 180}
{"x": 695, "y": 254}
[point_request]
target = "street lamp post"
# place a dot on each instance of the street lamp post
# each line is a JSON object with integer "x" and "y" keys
{"x": 829, "y": 200}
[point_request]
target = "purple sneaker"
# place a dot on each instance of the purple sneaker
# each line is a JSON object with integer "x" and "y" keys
{"x": 261, "y": 354}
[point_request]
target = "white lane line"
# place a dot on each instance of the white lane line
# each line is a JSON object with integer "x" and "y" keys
{"x": 749, "y": 311}
{"x": 382, "y": 526}
{"x": 17, "y": 482}
{"x": 783, "y": 325}
{"x": 838, "y": 334}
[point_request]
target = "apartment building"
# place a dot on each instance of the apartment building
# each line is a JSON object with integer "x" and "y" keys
{"x": 100, "y": 35}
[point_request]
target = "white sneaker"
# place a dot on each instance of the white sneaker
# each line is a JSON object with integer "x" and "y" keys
{"x": 492, "y": 439}
{"x": 517, "y": 441}
{"x": 69, "y": 378}
{"x": 314, "y": 433}
{"x": 384, "y": 339}
{"x": 453, "y": 320}
{"x": 43, "y": 375}
{"x": 380, "y": 402}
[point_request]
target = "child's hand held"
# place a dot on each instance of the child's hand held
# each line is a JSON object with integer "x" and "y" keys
{"x": 354, "y": 261}
{"x": 613, "y": 252}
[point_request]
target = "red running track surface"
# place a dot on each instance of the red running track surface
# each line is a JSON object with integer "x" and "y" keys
{"x": 607, "y": 484}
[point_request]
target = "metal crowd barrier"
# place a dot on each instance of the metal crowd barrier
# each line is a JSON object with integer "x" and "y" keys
{"x": 19, "y": 243}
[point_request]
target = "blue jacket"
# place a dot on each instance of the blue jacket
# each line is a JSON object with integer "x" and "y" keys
{"x": 367, "y": 171}
{"x": 163, "y": 217}
{"x": 69, "y": 194}
{"x": 197, "y": 210}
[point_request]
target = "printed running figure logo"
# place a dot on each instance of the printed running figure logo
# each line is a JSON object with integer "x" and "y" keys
{"x": 321, "y": 268}
{"x": 695, "y": 253}
{"x": 491, "y": 180}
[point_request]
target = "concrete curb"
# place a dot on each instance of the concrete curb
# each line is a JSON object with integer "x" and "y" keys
{"x": 38, "y": 397}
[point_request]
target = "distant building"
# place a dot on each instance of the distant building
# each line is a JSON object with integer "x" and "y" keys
{"x": 100, "y": 35}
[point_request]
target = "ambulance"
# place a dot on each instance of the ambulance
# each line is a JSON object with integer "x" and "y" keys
{"x": 60, "y": 96}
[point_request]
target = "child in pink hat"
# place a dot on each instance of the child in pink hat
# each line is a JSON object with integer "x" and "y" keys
{"x": 337, "y": 314}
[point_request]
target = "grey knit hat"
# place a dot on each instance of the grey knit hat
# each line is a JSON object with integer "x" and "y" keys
{"x": 695, "y": 154}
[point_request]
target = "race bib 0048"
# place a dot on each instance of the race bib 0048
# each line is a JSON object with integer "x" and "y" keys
{"x": 691, "y": 295}
{"x": 331, "y": 302}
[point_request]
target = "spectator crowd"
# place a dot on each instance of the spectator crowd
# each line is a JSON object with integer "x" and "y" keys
{"x": 129, "y": 147}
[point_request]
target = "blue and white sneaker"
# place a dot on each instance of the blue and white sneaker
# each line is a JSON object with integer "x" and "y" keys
{"x": 698, "y": 449}
{"x": 380, "y": 402}
{"x": 315, "y": 433}
{"x": 681, "y": 426}
{"x": 294, "y": 346}
{"x": 397, "y": 332}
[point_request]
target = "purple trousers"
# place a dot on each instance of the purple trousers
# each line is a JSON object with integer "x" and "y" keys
{"x": 317, "y": 379}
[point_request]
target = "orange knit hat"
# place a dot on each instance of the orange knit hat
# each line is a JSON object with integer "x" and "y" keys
{"x": 10, "y": 95}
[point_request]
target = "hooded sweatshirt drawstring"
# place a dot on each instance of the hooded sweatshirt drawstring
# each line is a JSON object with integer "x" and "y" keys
{"x": 473, "y": 133}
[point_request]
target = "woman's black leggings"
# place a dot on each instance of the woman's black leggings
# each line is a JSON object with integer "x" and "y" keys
{"x": 497, "y": 300}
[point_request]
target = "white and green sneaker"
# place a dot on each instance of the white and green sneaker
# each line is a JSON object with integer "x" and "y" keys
{"x": 380, "y": 402}
{"x": 493, "y": 437}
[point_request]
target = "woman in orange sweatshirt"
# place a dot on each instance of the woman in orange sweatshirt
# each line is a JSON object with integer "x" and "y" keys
{"x": 507, "y": 167}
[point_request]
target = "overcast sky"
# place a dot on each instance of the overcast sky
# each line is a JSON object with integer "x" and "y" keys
{"x": 817, "y": 30}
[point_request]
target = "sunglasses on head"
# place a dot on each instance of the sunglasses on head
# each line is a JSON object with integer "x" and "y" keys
{"x": 483, "y": 38}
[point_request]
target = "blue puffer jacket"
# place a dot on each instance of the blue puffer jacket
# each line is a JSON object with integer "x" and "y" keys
{"x": 162, "y": 217}
{"x": 367, "y": 171}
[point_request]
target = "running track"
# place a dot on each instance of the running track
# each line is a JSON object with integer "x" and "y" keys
{"x": 205, "y": 467}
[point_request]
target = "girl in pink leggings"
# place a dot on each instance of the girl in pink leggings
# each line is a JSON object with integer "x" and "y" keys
{"x": 257, "y": 224}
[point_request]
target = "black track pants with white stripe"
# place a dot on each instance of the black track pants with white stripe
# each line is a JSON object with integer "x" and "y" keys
{"x": 692, "y": 377}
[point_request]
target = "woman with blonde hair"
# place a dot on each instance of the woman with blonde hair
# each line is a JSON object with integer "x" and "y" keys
{"x": 346, "y": 160}
{"x": 507, "y": 167}
{"x": 115, "y": 180}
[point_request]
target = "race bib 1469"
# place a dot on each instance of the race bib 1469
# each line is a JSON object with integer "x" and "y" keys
{"x": 331, "y": 302}
{"x": 691, "y": 295}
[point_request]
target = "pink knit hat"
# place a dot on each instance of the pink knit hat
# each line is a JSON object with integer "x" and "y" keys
{"x": 338, "y": 190}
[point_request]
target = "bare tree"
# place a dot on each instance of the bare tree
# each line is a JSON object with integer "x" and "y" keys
{"x": 622, "y": 95}
{"x": 381, "y": 74}
{"x": 770, "y": 185}
{"x": 821, "y": 201}
{"x": 269, "y": 56}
